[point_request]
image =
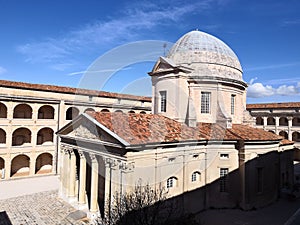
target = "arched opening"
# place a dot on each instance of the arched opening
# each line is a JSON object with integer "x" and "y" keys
{"x": 284, "y": 134}
{"x": 2, "y": 136}
{"x": 43, "y": 163}
{"x": 296, "y": 121}
{"x": 270, "y": 121}
{"x": 2, "y": 164}
{"x": 271, "y": 131}
{"x": 196, "y": 176}
{"x": 283, "y": 121}
{"x": 20, "y": 166}
{"x": 172, "y": 182}
{"x": 296, "y": 136}
{"x": 104, "y": 110}
{"x": 143, "y": 112}
{"x": 71, "y": 113}
{"x": 131, "y": 111}
{"x": 119, "y": 111}
{"x": 45, "y": 136}
{"x": 3, "y": 111}
{"x": 259, "y": 121}
{"x": 46, "y": 112}
{"x": 21, "y": 136}
{"x": 22, "y": 111}
{"x": 89, "y": 110}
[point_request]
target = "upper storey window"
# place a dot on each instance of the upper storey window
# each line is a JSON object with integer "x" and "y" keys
{"x": 232, "y": 104}
{"x": 163, "y": 101}
{"x": 205, "y": 102}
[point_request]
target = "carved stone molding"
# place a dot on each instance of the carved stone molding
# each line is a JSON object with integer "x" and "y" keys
{"x": 85, "y": 131}
{"x": 126, "y": 166}
{"x": 110, "y": 162}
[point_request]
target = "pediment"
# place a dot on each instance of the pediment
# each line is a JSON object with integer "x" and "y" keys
{"x": 86, "y": 131}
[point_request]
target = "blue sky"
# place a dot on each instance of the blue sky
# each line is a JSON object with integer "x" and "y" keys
{"x": 55, "y": 42}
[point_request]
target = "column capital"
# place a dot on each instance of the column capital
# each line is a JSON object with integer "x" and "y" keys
{"x": 289, "y": 118}
{"x": 126, "y": 166}
{"x": 110, "y": 162}
{"x": 81, "y": 154}
{"x": 93, "y": 157}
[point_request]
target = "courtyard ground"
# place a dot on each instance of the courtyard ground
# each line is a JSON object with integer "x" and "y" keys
{"x": 35, "y": 201}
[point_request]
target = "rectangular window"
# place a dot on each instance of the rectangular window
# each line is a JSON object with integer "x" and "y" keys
{"x": 260, "y": 180}
{"x": 205, "y": 102}
{"x": 232, "y": 104}
{"x": 163, "y": 101}
{"x": 224, "y": 156}
{"x": 223, "y": 179}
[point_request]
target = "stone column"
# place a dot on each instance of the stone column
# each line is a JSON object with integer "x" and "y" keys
{"x": 94, "y": 184}
{"x": 82, "y": 179}
{"x": 32, "y": 164}
{"x": 66, "y": 171}
{"x": 276, "y": 125}
{"x": 290, "y": 124}
{"x": 72, "y": 173}
{"x": 265, "y": 121}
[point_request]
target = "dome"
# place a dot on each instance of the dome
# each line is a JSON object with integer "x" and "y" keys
{"x": 206, "y": 55}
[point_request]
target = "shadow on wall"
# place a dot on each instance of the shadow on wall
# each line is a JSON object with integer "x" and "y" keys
{"x": 4, "y": 219}
{"x": 255, "y": 184}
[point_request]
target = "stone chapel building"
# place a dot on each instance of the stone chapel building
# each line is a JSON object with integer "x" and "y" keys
{"x": 198, "y": 142}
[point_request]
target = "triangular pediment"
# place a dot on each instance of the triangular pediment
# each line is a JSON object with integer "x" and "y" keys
{"x": 86, "y": 129}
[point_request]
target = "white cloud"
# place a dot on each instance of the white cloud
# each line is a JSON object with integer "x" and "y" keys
{"x": 127, "y": 27}
{"x": 2, "y": 70}
{"x": 258, "y": 90}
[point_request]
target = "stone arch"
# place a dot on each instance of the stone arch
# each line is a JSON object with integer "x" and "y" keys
{"x": 2, "y": 166}
{"x": 105, "y": 110}
{"x": 46, "y": 112}
{"x": 89, "y": 110}
{"x": 259, "y": 121}
{"x": 21, "y": 136}
{"x": 45, "y": 135}
{"x": 2, "y": 136}
{"x": 271, "y": 131}
{"x": 270, "y": 121}
{"x": 296, "y": 121}
{"x": 20, "y": 166}
{"x": 23, "y": 111}
{"x": 3, "y": 111}
{"x": 119, "y": 110}
{"x": 283, "y": 121}
{"x": 296, "y": 136}
{"x": 284, "y": 134}
{"x": 71, "y": 113}
{"x": 43, "y": 163}
{"x": 131, "y": 111}
{"x": 143, "y": 112}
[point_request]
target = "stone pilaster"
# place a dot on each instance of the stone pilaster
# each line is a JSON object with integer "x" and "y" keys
{"x": 72, "y": 174}
{"x": 94, "y": 184}
{"x": 82, "y": 179}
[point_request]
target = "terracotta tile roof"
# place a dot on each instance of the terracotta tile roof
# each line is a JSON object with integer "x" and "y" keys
{"x": 146, "y": 128}
{"x": 286, "y": 142}
{"x": 70, "y": 90}
{"x": 149, "y": 128}
{"x": 281, "y": 105}
{"x": 237, "y": 132}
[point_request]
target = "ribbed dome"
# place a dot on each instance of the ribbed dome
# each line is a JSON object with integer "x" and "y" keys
{"x": 207, "y": 55}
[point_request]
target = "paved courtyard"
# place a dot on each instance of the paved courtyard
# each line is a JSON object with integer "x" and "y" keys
{"x": 35, "y": 201}
{"x": 44, "y": 208}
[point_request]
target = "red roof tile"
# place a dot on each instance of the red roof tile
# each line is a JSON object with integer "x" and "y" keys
{"x": 70, "y": 90}
{"x": 282, "y": 105}
{"x": 149, "y": 128}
